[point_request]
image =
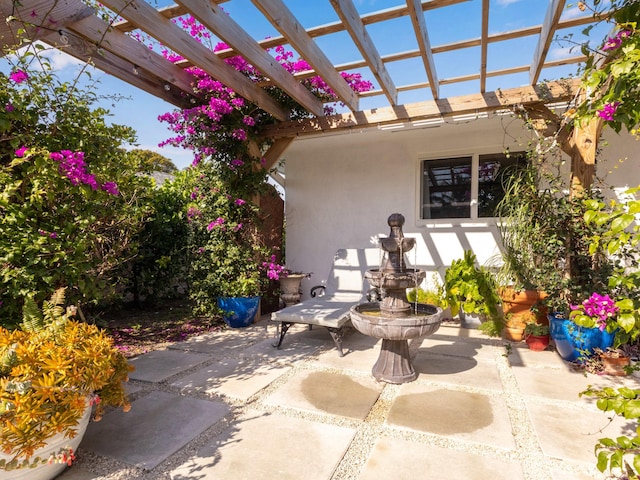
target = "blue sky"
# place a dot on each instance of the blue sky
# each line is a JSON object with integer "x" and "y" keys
{"x": 454, "y": 23}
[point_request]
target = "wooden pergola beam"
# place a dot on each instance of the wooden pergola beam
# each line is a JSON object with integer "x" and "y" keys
{"x": 353, "y": 23}
{"x": 167, "y": 33}
{"x": 276, "y": 150}
{"x": 284, "y": 21}
{"x": 218, "y": 22}
{"x": 435, "y": 109}
{"x": 136, "y": 55}
{"x": 424, "y": 45}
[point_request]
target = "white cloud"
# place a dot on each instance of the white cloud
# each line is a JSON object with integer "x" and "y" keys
{"x": 559, "y": 53}
{"x": 59, "y": 60}
{"x": 504, "y": 3}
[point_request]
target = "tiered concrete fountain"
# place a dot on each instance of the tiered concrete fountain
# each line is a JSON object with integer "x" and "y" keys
{"x": 394, "y": 319}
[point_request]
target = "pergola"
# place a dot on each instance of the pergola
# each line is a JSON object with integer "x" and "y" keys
{"x": 76, "y": 28}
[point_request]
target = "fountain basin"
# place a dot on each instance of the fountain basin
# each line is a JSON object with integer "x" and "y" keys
{"x": 394, "y": 362}
{"x": 369, "y": 320}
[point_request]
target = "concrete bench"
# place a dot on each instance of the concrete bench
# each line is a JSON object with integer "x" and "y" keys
{"x": 345, "y": 287}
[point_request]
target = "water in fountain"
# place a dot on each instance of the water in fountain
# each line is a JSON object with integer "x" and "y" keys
{"x": 393, "y": 319}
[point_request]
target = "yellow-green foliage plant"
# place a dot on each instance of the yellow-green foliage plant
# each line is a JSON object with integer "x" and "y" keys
{"x": 50, "y": 369}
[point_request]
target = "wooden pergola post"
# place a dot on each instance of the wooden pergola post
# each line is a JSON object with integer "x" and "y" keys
{"x": 583, "y": 145}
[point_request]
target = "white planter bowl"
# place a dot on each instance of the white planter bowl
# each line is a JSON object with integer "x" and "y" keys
{"x": 55, "y": 443}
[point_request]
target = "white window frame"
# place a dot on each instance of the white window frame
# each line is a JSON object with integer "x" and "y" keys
{"x": 475, "y": 172}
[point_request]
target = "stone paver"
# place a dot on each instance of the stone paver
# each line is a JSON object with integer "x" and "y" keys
{"x": 328, "y": 393}
{"x": 445, "y": 344}
{"x": 570, "y": 433}
{"x": 401, "y": 459}
{"x": 357, "y": 358}
{"x": 268, "y": 447}
{"x": 458, "y": 414}
{"x": 240, "y": 379}
{"x": 456, "y": 370}
{"x": 291, "y": 349}
{"x": 219, "y": 342}
{"x": 158, "y": 425}
{"x": 162, "y": 364}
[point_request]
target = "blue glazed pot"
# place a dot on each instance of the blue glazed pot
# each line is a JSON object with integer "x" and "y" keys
{"x": 573, "y": 341}
{"x": 238, "y": 312}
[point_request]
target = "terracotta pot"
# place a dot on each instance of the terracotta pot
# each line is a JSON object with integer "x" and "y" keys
{"x": 537, "y": 343}
{"x": 518, "y": 304}
{"x": 514, "y": 334}
{"x": 615, "y": 365}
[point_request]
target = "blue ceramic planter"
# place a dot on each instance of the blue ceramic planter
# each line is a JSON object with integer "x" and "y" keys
{"x": 238, "y": 312}
{"x": 573, "y": 341}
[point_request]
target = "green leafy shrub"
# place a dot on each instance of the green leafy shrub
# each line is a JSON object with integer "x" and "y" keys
{"x": 71, "y": 203}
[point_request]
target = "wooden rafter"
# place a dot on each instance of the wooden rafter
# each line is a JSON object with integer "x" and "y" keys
{"x": 353, "y": 23}
{"x": 484, "y": 36}
{"x": 549, "y": 27}
{"x": 173, "y": 37}
{"x": 282, "y": 18}
{"x": 424, "y": 45}
{"x": 216, "y": 20}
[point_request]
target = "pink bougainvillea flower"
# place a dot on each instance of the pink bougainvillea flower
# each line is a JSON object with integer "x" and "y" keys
{"x": 216, "y": 223}
{"x": 19, "y": 76}
{"x": 53, "y": 235}
{"x": 111, "y": 187}
{"x": 21, "y": 151}
{"x": 608, "y": 111}
{"x": 240, "y": 201}
{"x": 9, "y": 107}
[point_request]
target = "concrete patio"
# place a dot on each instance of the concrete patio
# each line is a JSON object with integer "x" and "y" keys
{"x": 229, "y": 406}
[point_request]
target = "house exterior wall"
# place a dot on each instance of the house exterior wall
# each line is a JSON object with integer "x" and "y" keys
{"x": 340, "y": 189}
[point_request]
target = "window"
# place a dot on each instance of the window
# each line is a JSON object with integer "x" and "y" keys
{"x": 467, "y": 186}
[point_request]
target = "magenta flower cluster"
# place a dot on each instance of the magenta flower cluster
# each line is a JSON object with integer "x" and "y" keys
{"x": 18, "y": 76}
{"x": 73, "y": 166}
{"x": 600, "y": 308}
{"x": 613, "y": 43}
{"x": 608, "y": 111}
{"x": 274, "y": 270}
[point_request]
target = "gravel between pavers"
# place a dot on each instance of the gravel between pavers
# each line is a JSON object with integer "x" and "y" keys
{"x": 528, "y": 453}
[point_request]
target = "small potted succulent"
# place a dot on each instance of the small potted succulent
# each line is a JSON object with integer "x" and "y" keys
{"x": 52, "y": 370}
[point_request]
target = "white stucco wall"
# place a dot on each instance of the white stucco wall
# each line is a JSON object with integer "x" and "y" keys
{"x": 340, "y": 189}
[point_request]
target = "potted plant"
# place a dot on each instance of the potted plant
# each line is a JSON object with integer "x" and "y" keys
{"x": 289, "y": 280}
{"x": 515, "y": 324}
{"x": 52, "y": 370}
{"x": 471, "y": 291}
{"x": 537, "y": 336}
{"x": 597, "y": 322}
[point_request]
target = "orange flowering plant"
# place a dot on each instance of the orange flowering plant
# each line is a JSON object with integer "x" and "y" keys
{"x": 51, "y": 370}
